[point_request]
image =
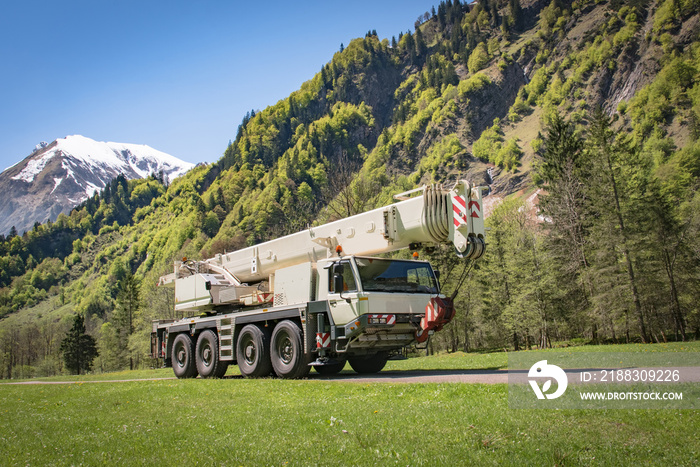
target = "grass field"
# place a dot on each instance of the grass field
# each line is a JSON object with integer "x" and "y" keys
{"x": 315, "y": 422}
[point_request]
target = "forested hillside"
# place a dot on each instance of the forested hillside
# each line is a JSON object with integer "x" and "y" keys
{"x": 583, "y": 118}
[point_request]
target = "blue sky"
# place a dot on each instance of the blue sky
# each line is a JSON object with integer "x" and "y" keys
{"x": 176, "y": 75}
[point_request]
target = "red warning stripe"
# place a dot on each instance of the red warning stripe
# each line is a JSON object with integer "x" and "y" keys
{"x": 323, "y": 340}
{"x": 390, "y": 319}
{"x": 459, "y": 208}
{"x": 475, "y": 209}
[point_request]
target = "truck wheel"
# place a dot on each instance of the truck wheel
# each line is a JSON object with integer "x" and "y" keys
{"x": 287, "y": 351}
{"x": 207, "y": 356}
{"x": 252, "y": 352}
{"x": 331, "y": 369}
{"x": 183, "y": 357}
{"x": 369, "y": 363}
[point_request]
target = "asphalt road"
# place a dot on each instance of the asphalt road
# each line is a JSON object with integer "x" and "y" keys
{"x": 421, "y": 376}
{"x": 413, "y": 376}
{"x": 688, "y": 374}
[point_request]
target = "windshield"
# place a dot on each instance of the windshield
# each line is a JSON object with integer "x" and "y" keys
{"x": 384, "y": 275}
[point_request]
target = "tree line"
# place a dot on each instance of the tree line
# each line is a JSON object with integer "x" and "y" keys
{"x": 610, "y": 255}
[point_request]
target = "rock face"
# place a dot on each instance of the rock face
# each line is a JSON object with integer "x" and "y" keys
{"x": 58, "y": 176}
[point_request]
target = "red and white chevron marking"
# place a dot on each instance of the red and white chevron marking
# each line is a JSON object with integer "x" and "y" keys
{"x": 459, "y": 208}
{"x": 323, "y": 340}
{"x": 377, "y": 319}
{"x": 430, "y": 314}
{"x": 475, "y": 209}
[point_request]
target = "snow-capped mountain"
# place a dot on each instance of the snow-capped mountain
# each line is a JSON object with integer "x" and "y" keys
{"x": 58, "y": 176}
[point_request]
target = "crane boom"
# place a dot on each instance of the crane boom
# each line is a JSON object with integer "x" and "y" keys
{"x": 437, "y": 216}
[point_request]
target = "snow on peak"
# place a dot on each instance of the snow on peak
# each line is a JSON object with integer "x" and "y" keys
{"x": 115, "y": 155}
{"x": 108, "y": 157}
{"x": 34, "y": 167}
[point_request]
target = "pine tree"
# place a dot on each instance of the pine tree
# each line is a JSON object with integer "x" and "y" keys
{"x": 564, "y": 174}
{"x": 495, "y": 17}
{"x": 516, "y": 15}
{"x": 128, "y": 306}
{"x": 410, "y": 45}
{"x": 608, "y": 156}
{"x": 78, "y": 348}
{"x": 421, "y": 47}
{"x": 324, "y": 77}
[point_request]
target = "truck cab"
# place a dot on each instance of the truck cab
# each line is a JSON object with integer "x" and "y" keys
{"x": 375, "y": 304}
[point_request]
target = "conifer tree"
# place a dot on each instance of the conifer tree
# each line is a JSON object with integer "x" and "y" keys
{"x": 609, "y": 154}
{"x": 78, "y": 348}
{"x": 516, "y": 15}
{"x": 421, "y": 47}
{"x": 564, "y": 174}
{"x": 128, "y": 306}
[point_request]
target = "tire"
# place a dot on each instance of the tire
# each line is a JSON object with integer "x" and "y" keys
{"x": 331, "y": 369}
{"x": 287, "y": 351}
{"x": 253, "y": 352}
{"x": 207, "y": 356}
{"x": 369, "y": 364}
{"x": 182, "y": 357}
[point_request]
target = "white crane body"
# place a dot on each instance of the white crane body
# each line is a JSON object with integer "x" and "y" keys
{"x": 243, "y": 297}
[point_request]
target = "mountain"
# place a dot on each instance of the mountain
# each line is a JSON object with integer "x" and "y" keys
{"x": 58, "y": 176}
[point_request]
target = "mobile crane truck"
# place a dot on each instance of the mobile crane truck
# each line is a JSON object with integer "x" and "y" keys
{"x": 318, "y": 297}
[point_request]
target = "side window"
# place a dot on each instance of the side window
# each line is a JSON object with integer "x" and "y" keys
{"x": 424, "y": 278}
{"x": 349, "y": 284}
{"x": 412, "y": 276}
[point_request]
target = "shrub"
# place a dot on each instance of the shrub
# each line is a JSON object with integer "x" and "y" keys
{"x": 478, "y": 58}
{"x": 472, "y": 84}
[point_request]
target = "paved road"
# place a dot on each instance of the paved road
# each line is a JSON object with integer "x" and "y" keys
{"x": 414, "y": 376}
{"x": 421, "y": 376}
{"x": 32, "y": 382}
{"x": 688, "y": 374}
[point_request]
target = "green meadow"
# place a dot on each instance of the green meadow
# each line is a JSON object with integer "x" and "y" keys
{"x": 235, "y": 421}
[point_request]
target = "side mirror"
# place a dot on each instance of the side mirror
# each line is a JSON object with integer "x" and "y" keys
{"x": 207, "y": 285}
{"x": 338, "y": 283}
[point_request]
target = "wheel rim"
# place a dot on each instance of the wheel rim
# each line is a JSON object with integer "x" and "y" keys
{"x": 206, "y": 355}
{"x": 285, "y": 349}
{"x": 180, "y": 355}
{"x": 249, "y": 351}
